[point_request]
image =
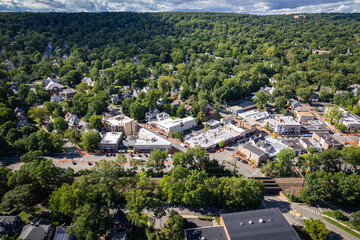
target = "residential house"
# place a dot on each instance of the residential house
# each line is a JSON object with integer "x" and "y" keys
{"x": 319, "y": 52}
{"x": 41, "y": 229}
{"x": 315, "y": 97}
{"x": 54, "y": 88}
{"x": 302, "y": 17}
{"x": 294, "y": 103}
{"x": 269, "y": 224}
{"x": 121, "y": 227}
{"x": 21, "y": 117}
{"x": 326, "y": 140}
{"x": 88, "y": 81}
{"x": 110, "y": 141}
{"x": 50, "y": 80}
{"x": 9, "y": 225}
{"x": 68, "y": 93}
{"x": 56, "y": 98}
{"x": 71, "y": 119}
{"x": 151, "y": 114}
{"x": 115, "y": 98}
{"x": 60, "y": 234}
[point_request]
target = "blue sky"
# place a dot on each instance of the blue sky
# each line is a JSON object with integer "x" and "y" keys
{"x": 239, "y": 6}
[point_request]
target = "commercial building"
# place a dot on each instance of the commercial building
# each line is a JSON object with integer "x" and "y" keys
{"x": 148, "y": 141}
{"x": 351, "y": 121}
{"x": 120, "y": 123}
{"x": 270, "y": 145}
{"x": 211, "y": 138}
{"x": 241, "y": 107}
{"x": 304, "y": 116}
{"x": 326, "y": 140}
{"x": 285, "y": 125}
{"x": 261, "y": 224}
{"x": 110, "y": 141}
{"x": 253, "y": 153}
{"x": 179, "y": 124}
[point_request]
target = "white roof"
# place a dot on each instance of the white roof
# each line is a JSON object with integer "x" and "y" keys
{"x": 111, "y": 138}
{"x": 211, "y": 137}
{"x": 276, "y": 144}
{"x": 168, "y": 123}
{"x": 119, "y": 120}
{"x": 236, "y": 128}
{"x": 52, "y": 85}
{"x": 254, "y": 115}
{"x": 148, "y": 138}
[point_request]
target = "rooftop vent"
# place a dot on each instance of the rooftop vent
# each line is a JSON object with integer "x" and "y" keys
{"x": 242, "y": 223}
{"x": 251, "y": 222}
{"x": 261, "y": 220}
{"x": 270, "y": 220}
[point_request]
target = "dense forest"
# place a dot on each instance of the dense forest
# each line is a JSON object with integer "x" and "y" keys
{"x": 208, "y": 58}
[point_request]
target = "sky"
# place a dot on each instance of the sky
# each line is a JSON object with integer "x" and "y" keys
{"x": 237, "y": 6}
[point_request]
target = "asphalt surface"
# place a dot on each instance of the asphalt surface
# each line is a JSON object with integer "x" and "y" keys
{"x": 295, "y": 213}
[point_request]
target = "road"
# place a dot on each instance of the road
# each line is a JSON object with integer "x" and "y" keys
{"x": 295, "y": 213}
{"x": 242, "y": 168}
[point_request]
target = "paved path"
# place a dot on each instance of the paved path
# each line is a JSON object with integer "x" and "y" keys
{"x": 295, "y": 213}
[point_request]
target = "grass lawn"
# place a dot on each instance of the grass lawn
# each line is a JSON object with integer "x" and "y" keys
{"x": 331, "y": 214}
{"x": 348, "y": 230}
{"x": 28, "y": 215}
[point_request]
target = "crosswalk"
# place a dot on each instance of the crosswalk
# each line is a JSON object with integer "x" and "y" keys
{"x": 309, "y": 209}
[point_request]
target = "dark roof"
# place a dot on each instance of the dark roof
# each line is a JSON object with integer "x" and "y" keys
{"x": 60, "y": 234}
{"x": 328, "y": 138}
{"x": 295, "y": 144}
{"x": 274, "y": 226}
{"x": 254, "y": 149}
{"x": 206, "y": 233}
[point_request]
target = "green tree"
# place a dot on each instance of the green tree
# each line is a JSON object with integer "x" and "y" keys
{"x": 90, "y": 141}
{"x": 32, "y": 156}
{"x": 174, "y": 227}
{"x": 178, "y": 135}
{"x": 221, "y": 144}
{"x": 91, "y": 221}
{"x": 181, "y": 111}
{"x": 355, "y": 221}
{"x": 156, "y": 160}
{"x": 137, "y": 111}
{"x": 351, "y": 155}
{"x": 39, "y": 114}
{"x": 21, "y": 197}
{"x": 60, "y": 124}
{"x": 316, "y": 229}
{"x": 261, "y": 99}
{"x": 95, "y": 121}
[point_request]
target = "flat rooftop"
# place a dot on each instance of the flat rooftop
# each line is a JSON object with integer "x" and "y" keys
{"x": 147, "y": 138}
{"x": 118, "y": 120}
{"x": 268, "y": 224}
{"x": 254, "y": 115}
{"x": 211, "y": 137}
{"x": 287, "y": 120}
{"x": 305, "y": 114}
{"x": 206, "y": 233}
{"x": 111, "y": 137}
{"x": 168, "y": 123}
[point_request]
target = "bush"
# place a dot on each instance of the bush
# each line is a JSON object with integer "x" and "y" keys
{"x": 339, "y": 215}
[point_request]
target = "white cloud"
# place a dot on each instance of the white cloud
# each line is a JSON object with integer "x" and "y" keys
{"x": 240, "y": 6}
